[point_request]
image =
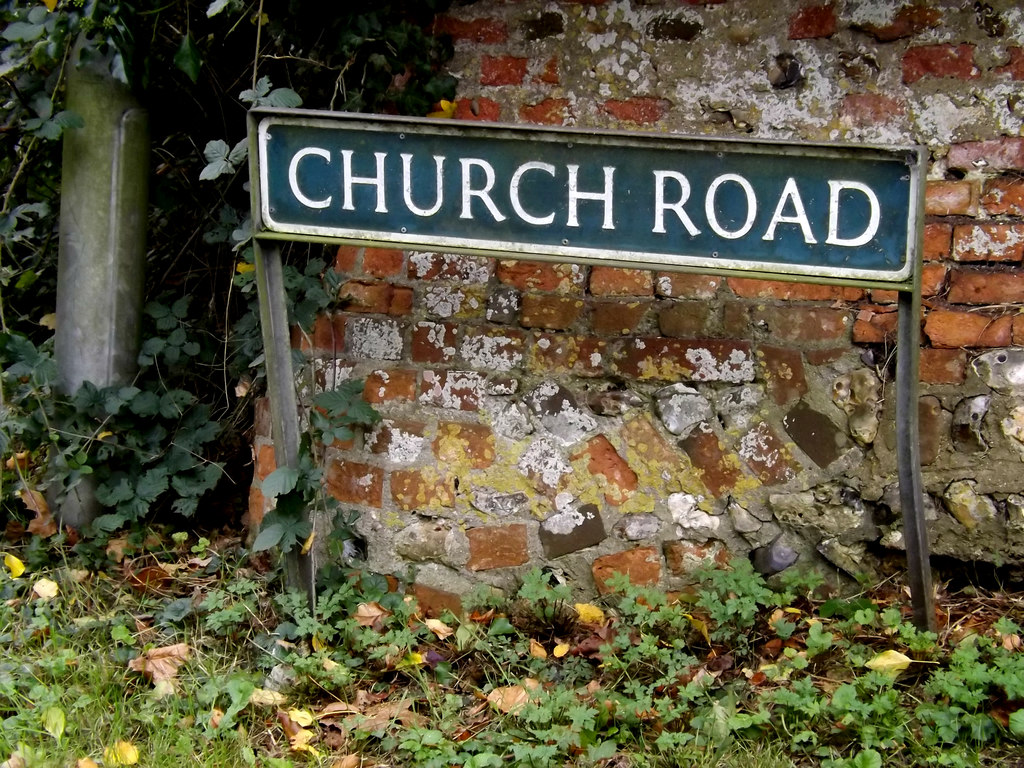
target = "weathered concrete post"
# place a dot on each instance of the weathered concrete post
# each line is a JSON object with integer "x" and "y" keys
{"x": 100, "y": 275}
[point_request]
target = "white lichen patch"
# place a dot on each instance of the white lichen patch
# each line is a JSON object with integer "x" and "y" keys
{"x": 452, "y": 389}
{"x": 564, "y": 523}
{"x": 738, "y": 368}
{"x": 402, "y": 447}
{"x": 689, "y": 517}
{"x": 755, "y": 446}
{"x": 981, "y": 241}
{"x": 443, "y": 300}
{"x": 543, "y": 461}
{"x": 874, "y": 12}
{"x": 939, "y": 120}
{"x": 491, "y": 353}
{"x": 373, "y": 339}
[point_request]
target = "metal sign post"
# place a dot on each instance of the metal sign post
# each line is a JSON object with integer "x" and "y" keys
{"x": 834, "y": 214}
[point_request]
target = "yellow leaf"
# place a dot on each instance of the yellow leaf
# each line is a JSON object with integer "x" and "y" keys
{"x": 46, "y": 589}
{"x": 446, "y": 109}
{"x": 300, "y": 741}
{"x": 243, "y": 267}
{"x": 348, "y": 761}
{"x": 537, "y": 650}
{"x": 889, "y": 662}
{"x": 86, "y": 762}
{"x": 560, "y": 650}
{"x": 700, "y": 626}
{"x": 413, "y": 659}
{"x": 301, "y": 717}
{"x": 14, "y": 565}
{"x": 317, "y": 642}
{"x": 50, "y": 4}
{"x": 121, "y": 753}
{"x": 103, "y": 434}
{"x": 308, "y": 543}
{"x": 439, "y": 628}
{"x": 589, "y": 614}
{"x": 261, "y": 697}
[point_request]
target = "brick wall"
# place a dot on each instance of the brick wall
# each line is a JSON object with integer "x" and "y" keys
{"x": 597, "y": 418}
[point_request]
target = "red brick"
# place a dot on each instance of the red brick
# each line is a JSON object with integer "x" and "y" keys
{"x": 352, "y": 482}
{"x": 943, "y": 366}
{"x": 451, "y": 266}
{"x": 941, "y": 60}
{"x": 684, "y": 557}
{"x": 875, "y": 325}
{"x": 717, "y": 469}
{"x": 976, "y": 286}
{"x": 547, "y": 112}
{"x": 988, "y": 242}
{"x": 1003, "y": 154}
{"x": 478, "y": 108}
{"x": 502, "y": 70}
{"x": 640, "y": 111}
{"x": 767, "y": 456}
{"x": 558, "y": 353}
{"x": 736, "y": 319}
{"x": 933, "y": 279}
{"x": 422, "y": 489}
{"x": 642, "y": 565}
{"x": 257, "y": 509}
{"x": 383, "y": 262}
{"x": 1015, "y": 66}
{"x": 864, "y": 110}
{"x": 497, "y": 547}
{"x": 473, "y": 30}
{"x": 1003, "y": 197}
{"x": 908, "y": 21}
{"x": 1018, "y": 330}
{"x": 618, "y": 318}
{"x": 387, "y": 386}
{"x": 951, "y": 329}
{"x": 326, "y": 338}
{"x": 458, "y": 444}
{"x": 662, "y": 359}
{"x": 345, "y": 258}
{"x": 613, "y": 473}
{"x": 262, "y": 418}
{"x": 750, "y": 288}
{"x": 949, "y": 198}
{"x": 541, "y": 276}
{"x": 265, "y": 460}
{"x": 938, "y": 242}
{"x": 550, "y": 74}
{"x": 388, "y": 435}
{"x": 655, "y": 456}
{"x": 434, "y": 342}
{"x": 783, "y": 373}
{"x": 549, "y": 311}
{"x": 434, "y": 602}
{"x": 687, "y": 319}
{"x": 813, "y": 21}
{"x": 375, "y": 298}
{"x": 803, "y": 324}
{"x": 683, "y": 285}
{"x": 616, "y": 281}
{"x": 459, "y": 390}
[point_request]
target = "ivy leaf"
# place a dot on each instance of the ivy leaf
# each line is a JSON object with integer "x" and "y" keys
{"x": 187, "y": 58}
{"x": 216, "y": 7}
{"x": 22, "y": 32}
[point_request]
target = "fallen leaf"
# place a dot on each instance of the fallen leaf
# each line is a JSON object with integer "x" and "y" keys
{"x": 510, "y": 699}
{"x": 19, "y": 460}
{"x": 371, "y": 615}
{"x": 118, "y": 548}
{"x": 50, "y": 5}
{"x": 215, "y": 717}
{"x": 151, "y": 580}
{"x": 890, "y": 662}
{"x": 121, "y": 753}
{"x": 348, "y": 761}
{"x": 301, "y": 717}
{"x": 537, "y": 650}
{"x": 439, "y": 628}
{"x": 380, "y": 716}
{"x": 589, "y": 614}
{"x": 261, "y": 697}
{"x": 14, "y": 566}
{"x": 46, "y": 589}
{"x": 54, "y": 721}
{"x": 161, "y": 663}
{"x": 86, "y": 762}
{"x": 560, "y": 650}
{"x": 445, "y": 109}
{"x": 338, "y": 708}
{"x": 43, "y": 524}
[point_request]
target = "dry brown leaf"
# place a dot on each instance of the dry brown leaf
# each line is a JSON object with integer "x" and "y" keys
{"x": 161, "y": 663}
{"x": 380, "y": 716}
{"x": 43, "y": 523}
{"x": 537, "y": 650}
{"x": 348, "y": 761}
{"x": 371, "y": 615}
{"x": 510, "y": 699}
{"x": 261, "y": 697}
{"x": 338, "y": 708}
{"x": 151, "y": 580}
{"x": 86, "y": 762}
{"x": 215, "y": 717}
{"x": 118, "y": 548}
{"x": 439, "y": 628}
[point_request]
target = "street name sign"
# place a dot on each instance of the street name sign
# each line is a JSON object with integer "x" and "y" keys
{"x": 644, "y": 200}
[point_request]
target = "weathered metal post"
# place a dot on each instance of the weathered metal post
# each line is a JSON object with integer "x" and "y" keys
{"x": 105, "y": 177}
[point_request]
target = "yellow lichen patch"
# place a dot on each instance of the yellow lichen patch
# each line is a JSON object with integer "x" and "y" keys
{"x": 664, "y": 369}
{"x": 661, "y": 470}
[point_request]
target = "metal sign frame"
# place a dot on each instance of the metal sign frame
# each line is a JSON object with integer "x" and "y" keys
{"x": 269, "y": 230}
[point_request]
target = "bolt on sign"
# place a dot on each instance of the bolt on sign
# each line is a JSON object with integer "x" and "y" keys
{"x": 841, "y": 214}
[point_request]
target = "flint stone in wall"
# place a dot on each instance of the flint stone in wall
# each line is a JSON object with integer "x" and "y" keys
{"x": 614, "y": 403}
{"x": 815, "y": 434}
{"x": 692, "y": 523}
{"x": 1015, "y": 514}
{"x": 891, "y": 499}
{"x": 773, "y": 558}
{"x": 830, "y": 510}
{"x": 967, "y": 505}
{"x": 1013, "y": 428}
{"x": 1002, "y": 370}
{"x": 509, "y": 419}
{"x": 763, "y": 536}
{"x": 559, "y": 412}
{"x": 502, "y": 386}
{"x": 858, "y": 394}
{"x": 427, "y": 540}
{"x": 681, "y": 408}
{"x": 572, "y": 530}
{"x": 742, "y": 520}
{"x": 503, "y": 305}
{"x": 499, "y": 504}
{"x": 738, "y": 407}
{"x": 851, "y": 558}
{"x": 638, "y": 527}
{"x": 967, "y": 421}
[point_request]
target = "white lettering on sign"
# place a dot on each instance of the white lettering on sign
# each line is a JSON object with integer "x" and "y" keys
{"x": 534, "y": 187}
{"x": 835, "y": 189}
{"x": 293, "y": 176}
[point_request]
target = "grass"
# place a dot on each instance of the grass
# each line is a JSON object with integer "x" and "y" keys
{"x": 175, "y": 651}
